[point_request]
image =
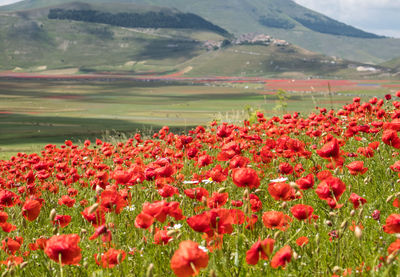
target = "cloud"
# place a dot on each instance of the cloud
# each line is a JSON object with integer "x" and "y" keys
{"x": 6, "y": 2}
{"x": 378, "y": 16}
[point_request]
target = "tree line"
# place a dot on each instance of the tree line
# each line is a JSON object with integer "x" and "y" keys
{"x": 138, "y": 20}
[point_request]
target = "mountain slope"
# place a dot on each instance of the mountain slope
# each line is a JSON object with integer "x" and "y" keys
{"x": 30, "y": 41}
{"x": 394, "y": 63}
{"x": 280, "y": 18}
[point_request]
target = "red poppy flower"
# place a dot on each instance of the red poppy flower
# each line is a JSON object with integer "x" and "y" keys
{"x": 217, "y": 200}
{"x": 357, "y": 200}
{"x": 281, "y": 191}
{"x": 218, "y": 174}
{"x": 102, "y": 231}
{"x": 67, "y": 201}
{"x": 31, "y": 209}
{"x": 276, "y": 220}
{"x": 215, "y": 220}
{"x": 357, "y": 167}
{"x": 391, "y": 138}
{"x": 330, "y": 189}
{"x": 392, "y": 224}
{"x": 302, "y": 212}
{"x": 111, "y": 200}
{"x": 62, "y": 220}
{"x": 282, "y": 257}
{"x": 305, "y": 183}
{"x": 143, "y": 220}
{"x": 396, "y": 166}
{"x": 8, "y": 198}
{"x": 302, "y": 241}
{"x": 255, "y": 203}
{"x": 161, "y": 209}
{"x": 111, "y": 258}
{"x": 245, "y": 177}
{"x": 394, "y": 247}
{"x": 285, "y": 168}
{"x": 188, "y": 259}
{"x": 3, "y": 217}
{"x": 10, "y": 246}
{"x": 64, "y": 248}
{"x": 261, "y": 248}
{"x": 8, "y": 227}
{"x": 330, "y": 150}
{"x": 196, "y": 193}
{"x": 96, "y": 218}
{"x": 161, "y": 237}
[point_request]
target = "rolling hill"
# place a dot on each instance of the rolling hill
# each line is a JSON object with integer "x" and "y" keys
{"x": 280, "y": 18}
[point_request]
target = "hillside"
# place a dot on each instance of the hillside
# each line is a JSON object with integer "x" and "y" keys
{"x": 279, "y": 18}
{"x": 272, "y": 61}
{"x": 394, "y": 64}
{"x": 30, "y": 41}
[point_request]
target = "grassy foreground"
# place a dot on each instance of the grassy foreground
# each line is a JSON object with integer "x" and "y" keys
{"x": 312, "y": 195}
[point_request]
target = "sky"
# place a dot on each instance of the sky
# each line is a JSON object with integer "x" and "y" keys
{"x": 377, "y": 16}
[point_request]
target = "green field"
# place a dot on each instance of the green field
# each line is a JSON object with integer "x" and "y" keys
{"x": 37, "y": 112}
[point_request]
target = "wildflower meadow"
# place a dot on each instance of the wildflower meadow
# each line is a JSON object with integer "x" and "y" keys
{"x": 295, "y": 195}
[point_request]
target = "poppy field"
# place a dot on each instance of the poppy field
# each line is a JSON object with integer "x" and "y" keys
{"x": 310, "y": 195}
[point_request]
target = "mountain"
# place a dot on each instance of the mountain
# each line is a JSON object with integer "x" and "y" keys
{"x": 131, "y": 38}
{"x": 280, "y": 18}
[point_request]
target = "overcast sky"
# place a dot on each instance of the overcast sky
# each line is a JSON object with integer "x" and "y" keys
{"x": 378, "y": 16}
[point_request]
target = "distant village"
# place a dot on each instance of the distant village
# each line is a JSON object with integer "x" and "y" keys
{"x": 249, "y": 38}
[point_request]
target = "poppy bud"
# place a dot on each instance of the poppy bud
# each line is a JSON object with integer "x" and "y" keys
{"x": 119, "y": 258}
{"x": 93, "y": 208}
{"x": 295, "y": 255}
{"x": 171, "y": 233}
{"x": 276, "y": 235}
{"x": 329, "y": 223}
{"x": 360, "y": 212}
{"x": 335, "y": 269}
{"x": 221, "y": 190}
{"x": 358, "y": 232}
{"x": 99, "y": 189}
{"x": 390, "y": 258}
{"x": 246, "y": 194}
{"x": 294, "y": 185}
{"x": 284, "y": 205}
{"x": 352, "y": 213}
{"x": 343, "y": 226}
{"x": 149, "y": 272}
{"x": 212, "y": 273}
{"x": 23, "y": 265}
{"x": 331, "y": 214}
{"x": 389, "y": 198}
{"x": 53, "y": 214}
